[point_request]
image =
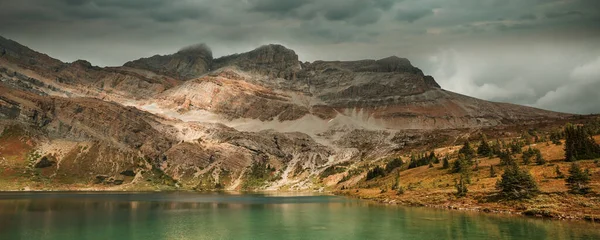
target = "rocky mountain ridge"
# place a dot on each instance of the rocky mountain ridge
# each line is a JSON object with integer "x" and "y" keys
{"x": 255, "y": 120}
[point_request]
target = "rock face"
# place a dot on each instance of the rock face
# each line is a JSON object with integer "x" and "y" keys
{"x": 189, "y": 62}
{"x": 260, "y": 119}
{"x": 273, "y": 61}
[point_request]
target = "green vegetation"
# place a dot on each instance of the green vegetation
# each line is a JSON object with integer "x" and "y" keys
{"x": 579, "y": 144}
{"x": 506, "y": 158}
{"x": 461, "y": 187}
{"x": 516, "y": 146}
{"x": 260, "y": 172}
{"x": 484, "y": 149}
{"x": 335, "y": 169}
{"x": 445, "y": 163}
{"x": 375, "y": 172}
{"x": 559, "y": 174}
{"x": 517, "y": 183}
{"x": 539, "y": 159}
{"x": 492, "y": 171}
{"x": 555, "y": 137}
{"x": 422, "y": 160}
{"x": 578, "y": 180}
{"x": 395, "y": 163}
{"x": 467, "y": 150}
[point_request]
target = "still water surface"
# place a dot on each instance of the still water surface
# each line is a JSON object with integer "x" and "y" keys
{"x": 247, "y": 216}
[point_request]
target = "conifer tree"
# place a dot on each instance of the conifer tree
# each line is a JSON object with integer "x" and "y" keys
{"x": 578, "y": 180}
{"x": 559, "y": 174}
{"x": 517, "y": 183}
{"x": 463, "y": 166}
{"x": 539, "y": 159}
{"x": 579, "y": 144}
{"x": 484, "y": 148}
{"x": 467, "y": 150}
{"x": 506, "y": 158}
{"x": 461, "y": 187}
{"x": 445, "y": 163}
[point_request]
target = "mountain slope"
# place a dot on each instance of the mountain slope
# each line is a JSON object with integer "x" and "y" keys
{"x": 260, "y": 119}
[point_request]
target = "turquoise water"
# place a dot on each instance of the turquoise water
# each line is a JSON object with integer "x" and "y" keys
{"x": 224, "y": 216}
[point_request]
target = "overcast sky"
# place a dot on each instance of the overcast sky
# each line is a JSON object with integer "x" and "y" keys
{"x": 542, "y": 53}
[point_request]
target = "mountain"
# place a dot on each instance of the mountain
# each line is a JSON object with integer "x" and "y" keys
{"x": 255, "y": 120}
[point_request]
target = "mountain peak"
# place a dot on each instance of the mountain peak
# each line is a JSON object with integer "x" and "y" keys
{"x": 197, "y": 49}
{"x": 273, "y": 60}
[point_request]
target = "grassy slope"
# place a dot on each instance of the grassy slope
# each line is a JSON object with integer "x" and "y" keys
{"x": 434, "y": 187}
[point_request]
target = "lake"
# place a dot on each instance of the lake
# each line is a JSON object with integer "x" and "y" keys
{"x": 183, "y": 215}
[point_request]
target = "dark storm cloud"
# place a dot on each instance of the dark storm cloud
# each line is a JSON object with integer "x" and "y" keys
{"x": 128, "y": 4}
{"x": 358, "y": 12}
{"x": 528, "y": 16}
{"x": 277, "y": 6}
{"x": 536, "y": 52}
{"x": 413, "y": 15}
{"x": 563, "y": 14}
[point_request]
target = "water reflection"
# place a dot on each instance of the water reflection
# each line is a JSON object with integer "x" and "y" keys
{"x": 217, "y": 216}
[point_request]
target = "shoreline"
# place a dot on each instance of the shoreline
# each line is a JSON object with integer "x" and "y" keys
{"x": 469, "y": 204}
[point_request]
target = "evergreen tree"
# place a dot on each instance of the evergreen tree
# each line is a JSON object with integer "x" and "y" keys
{"x": 395, "y": 163}
{"x": 467, "y": 150}
{"x": 527, "y": 155}
{"x": 527, "y": 138}
{"x": 516, "y": 147}
{"x": 463, "y": 166}
{"x": 578, "y": 180}
{"x": 375, "y": 172}
{"x": 555, "y": 137}
{"x": 492, "y": 171}
{"x": 579, "y": 144}
{"x": 396, "y": 181}
{"x": 559, "y": 174}
{"x": 506, "y": 158}
{"x": 433, "y": 158}
{"x": 539, "y": 159}
{"x": 445, "y": 163}
{"x": 484, "y": 148}
{"x": 517, "y": 183}
{"x": 461, "y": 187}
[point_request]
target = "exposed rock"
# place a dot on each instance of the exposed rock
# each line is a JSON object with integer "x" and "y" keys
{"x": 272, "y": 60}
{"x": 188, "y": 63}
{"x": 261, "y": 107}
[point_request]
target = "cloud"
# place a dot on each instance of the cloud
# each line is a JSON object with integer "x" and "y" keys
{"x": 579, "y": 94}
{"x": 522, "y": 75}
{"x": 276, "y": 6}
{"x": 563, "y": 14}
{"x": 523, "y": 52}
{"x": 412, "y": 15}
{"x": 355, "y": 12}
